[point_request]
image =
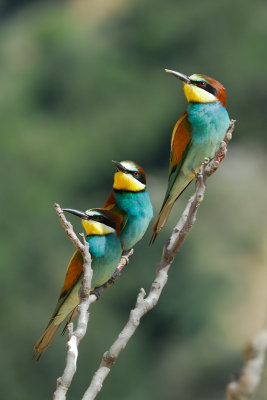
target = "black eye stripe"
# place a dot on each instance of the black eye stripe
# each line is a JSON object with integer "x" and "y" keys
{"x": 103, "y": 220}
{"x": 206, "y": 87}
{"x": 138, "y": 176}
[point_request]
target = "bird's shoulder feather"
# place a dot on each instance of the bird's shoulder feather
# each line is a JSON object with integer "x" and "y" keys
{"x": 110, "y": 202}
{"x": 74, "y": 271}
{"x": 180, "y": 144}
{"x": 181, "y": 138}
{"x": 111, "y": 205}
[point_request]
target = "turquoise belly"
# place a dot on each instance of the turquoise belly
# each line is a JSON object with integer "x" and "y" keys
{"x": 106, "y": 253}
{"x": 209, "y": 123}
{"x": 139, "y": 212}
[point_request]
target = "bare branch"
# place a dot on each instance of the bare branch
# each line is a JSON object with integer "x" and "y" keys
{"x": 145, "y": 304}
{"x": 251, "y": 373}
{"x": 74, "y": 337}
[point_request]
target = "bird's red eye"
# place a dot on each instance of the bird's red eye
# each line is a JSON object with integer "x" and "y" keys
{"x": 202, "y": 84}
{"x": 135, "y": 173}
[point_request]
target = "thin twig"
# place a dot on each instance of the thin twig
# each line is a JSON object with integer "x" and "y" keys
{"x": 146, "y": 303}
{"x": 254, "y": 357}
{"x": 74, "y": 337}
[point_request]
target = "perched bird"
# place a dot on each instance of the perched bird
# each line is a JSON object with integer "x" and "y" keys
{"x": 196, "y": 136}
{"x": 128, "y": 210}
{"x": 103, "y": 230}
{"x": 130, "y": 200}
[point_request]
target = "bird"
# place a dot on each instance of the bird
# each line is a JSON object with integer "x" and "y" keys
{"x": 102, "y": 229}
{"x": 196, "y": 136}
{"x": 130, "y": 200}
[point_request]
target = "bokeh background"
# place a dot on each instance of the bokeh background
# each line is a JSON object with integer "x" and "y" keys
{"x": 82, "y": 83}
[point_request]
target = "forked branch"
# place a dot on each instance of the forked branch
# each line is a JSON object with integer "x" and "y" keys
{"x": 146, "y": 303}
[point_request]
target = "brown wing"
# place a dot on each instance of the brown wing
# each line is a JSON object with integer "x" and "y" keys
{"x": 180, "y": 139}
{"x": 75, "y": 269}
{"x": 110, "y": 202}
{"x": 73, "y": 274}
{"x": 180, "y": 143}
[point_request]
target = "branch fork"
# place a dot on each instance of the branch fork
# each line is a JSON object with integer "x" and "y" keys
{"x": 145, "y": 303}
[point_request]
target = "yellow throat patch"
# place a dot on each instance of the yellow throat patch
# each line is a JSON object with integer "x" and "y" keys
{"x": 197, "y": 95}
{"x": 124, "y": 181}
{"x": 96, "y": 228}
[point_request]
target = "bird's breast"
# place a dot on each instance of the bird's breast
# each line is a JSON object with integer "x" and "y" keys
{"x": 106, "y": 253}
{"x": 208, "y": 120}
{"x": 139, "y": 212}
{"x": 135, "y": 204}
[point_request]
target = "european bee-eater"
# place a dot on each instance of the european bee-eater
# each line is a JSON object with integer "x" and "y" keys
{"x": 102, "y": 233}
{"x": 130, "y": 200}
{"x": 196, "y": 136}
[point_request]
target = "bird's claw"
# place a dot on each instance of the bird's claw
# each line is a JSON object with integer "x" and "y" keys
{"x": 98, "y": 291}
{"x": 196, "y": 174}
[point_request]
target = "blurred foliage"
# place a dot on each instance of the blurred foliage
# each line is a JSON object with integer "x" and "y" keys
{"x": 82, "y": 83}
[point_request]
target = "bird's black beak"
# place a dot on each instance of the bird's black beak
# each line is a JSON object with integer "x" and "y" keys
{"x": 78, "y": 213}
{"x": 120, "y": 166}
{"x": 178, "y": 75}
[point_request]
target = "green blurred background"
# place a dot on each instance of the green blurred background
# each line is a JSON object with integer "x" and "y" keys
{"x": 81, "y": 83}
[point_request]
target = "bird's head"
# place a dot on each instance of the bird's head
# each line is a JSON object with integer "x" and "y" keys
{"x": 129, "y": 177}
{"x": 97, "y": 221}
{"x": 201, "y": 88}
